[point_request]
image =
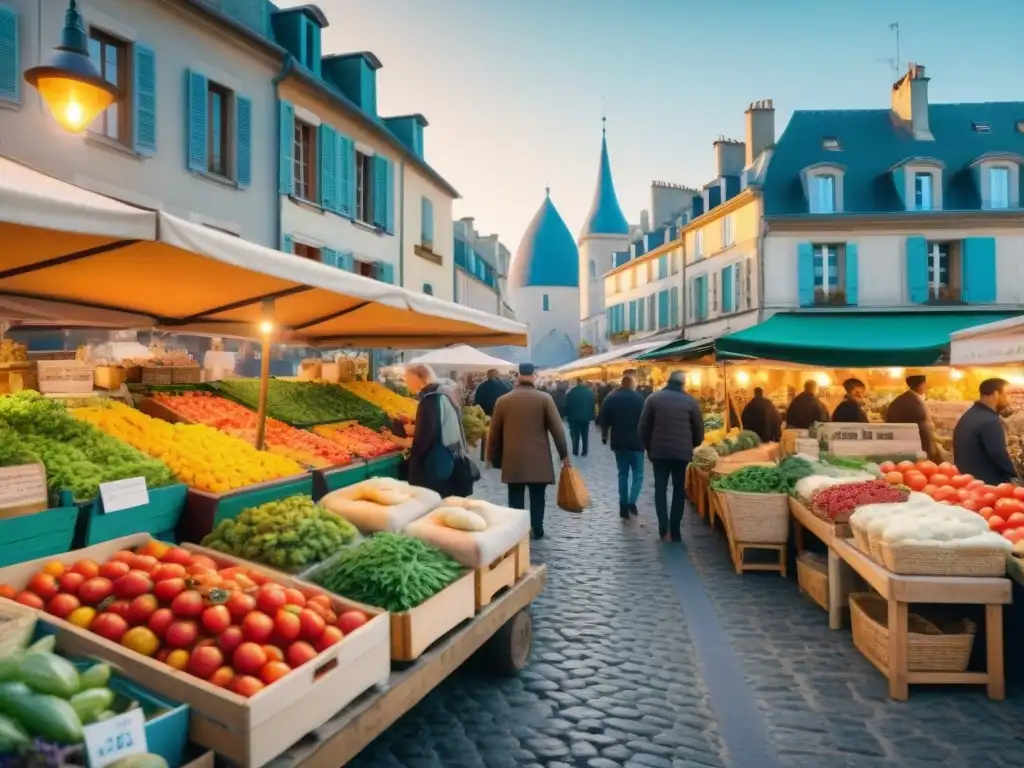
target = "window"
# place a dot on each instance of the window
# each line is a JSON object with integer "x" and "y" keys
{"x": 651, "y": 322}
{"x": 305, "y": 157}
{"x": 427, "y": 222}
{"x": 698, "y": 244}
{"x": 981, "y": 127}
{"x": 823, "y": 194}
{"x": 999, "y": 188}
{"x": 938, "y": 266}
{"x": 544, "y": 304}
{"x": 364, "y": 188}
{"x": 218, "y": 106}
{"x": 826, "y": 270}
{"x": 922, "y": 192}
{"x": 831, "y": 143}
{"x": 110, "y": 56}
{"x": 366, "y": 269}
{"x": 306, "y": 251}
{"x": 727, "y": 234}
{"x": 428, "y": 289}
{"x": 944, "y": 271}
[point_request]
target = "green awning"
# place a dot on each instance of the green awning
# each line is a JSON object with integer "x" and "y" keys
{"x": 680, "y": 349}
{"x": 854, "y": 339}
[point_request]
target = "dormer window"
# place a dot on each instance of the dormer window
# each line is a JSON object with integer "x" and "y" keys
{"x": 823, "y": 194}
{"x": 918, "y": 182}
{"x": 831, "y": 143}
{"x": 981, "y": 127}
{"x": 1020, "y": 126}
{"x": 997, "y": 176}
{"x": 999, "y": 187}
{"x": 923, "y": 195}
{"x": 823, "y": 187}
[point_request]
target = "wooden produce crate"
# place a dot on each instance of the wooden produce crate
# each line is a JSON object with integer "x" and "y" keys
{"x": 15, "y": 377}
{"x": 812, "y": 577}
{"x": 109, "y": 376}
{"x": 158, "y": 410}
{"x": 23, "y": 490}
{"x": 205, "y": 510}
{"x": 502, "y": 573}
{"x": 38, "y": 535}
{"x": 64, "y": 377}
{"x": 159, "y": 518}
{"x": 252, "y": 731}
{"x": 415, "y": 630}
{"x": 333, "y": 478}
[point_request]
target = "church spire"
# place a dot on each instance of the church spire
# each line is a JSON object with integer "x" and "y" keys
{"x": 605, "y": 217}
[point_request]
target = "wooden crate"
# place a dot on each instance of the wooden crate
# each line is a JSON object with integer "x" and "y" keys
{"x": 159, "y": 518}
{"x": 15, "y": 377}
{"x": 109, "y": 376}
{"x": 414, "y": 631}
{"x": 64, "y": 377}
{"x": 253, "y": 731}
{"x": 502, "y": 573}
{"x": 39, "y": 535}
{"x": 23, "y": 490}
{"x": 523, "y": 558}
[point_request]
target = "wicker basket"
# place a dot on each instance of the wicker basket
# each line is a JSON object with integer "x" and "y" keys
{"x": 812, "y": 576}
{"x": 919, "y": 560}
{"x": 159, "y": 375}
{"x": 929, "y": 648}
{"x": 186, "y": 374}
{"x": 756, "y": 518}
{"x": 133, "y": 374}
{"x": 17, "y": 623}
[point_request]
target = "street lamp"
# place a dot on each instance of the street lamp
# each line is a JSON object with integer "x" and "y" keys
{"x": 70, "y": 84}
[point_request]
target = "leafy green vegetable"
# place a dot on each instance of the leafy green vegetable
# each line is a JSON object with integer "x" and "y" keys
{"x": 704, "y": 457}
{"x": 389, "y": 571}
{"x": 304, "y": 403}
{"x": 794, "y": 469}
{"x": 753, "y": 480}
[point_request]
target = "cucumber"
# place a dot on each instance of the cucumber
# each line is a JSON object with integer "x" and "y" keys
{"x": 96, "y": 676}
{"x": 140, "y": 761}
{"x": 46, "y": 716}
{"x": 12, "y": 735}
{"x": 45, "y": 644}
{"x": 9, "y": 666}
{"x": 90, "y": 703}
{"x": 10, "y": 691}
{"x": 50, "y": 673}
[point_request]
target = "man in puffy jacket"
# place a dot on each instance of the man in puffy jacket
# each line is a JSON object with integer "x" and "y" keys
{"x": 671, "y": 426}
{"x": 806, "y": 409}
{"x": 579, "y": 413}
{"x": 620, "y": 416}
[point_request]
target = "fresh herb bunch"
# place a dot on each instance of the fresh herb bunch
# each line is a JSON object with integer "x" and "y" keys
{"x": 794, "y": 469}
{"x": 390, "y": 571}
{"x": 753, "y": 480}
{"x": 303, "y": 403}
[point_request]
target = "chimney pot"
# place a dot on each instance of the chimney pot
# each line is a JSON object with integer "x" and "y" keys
{"x": 760, "y": 129}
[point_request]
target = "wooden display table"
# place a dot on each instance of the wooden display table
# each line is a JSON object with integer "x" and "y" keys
{"x": 901, "y": 591}
{"x": 840, "y": 581}
{"x": 697, "y": 484}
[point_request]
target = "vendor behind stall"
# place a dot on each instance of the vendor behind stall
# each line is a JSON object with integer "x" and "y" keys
{"x": 852, "y": 407}
{"x": 979, "y": 439}
{"x": 761, "y": 417}
{"x": 909, "y": 408}
{"x": 806, "y": 408}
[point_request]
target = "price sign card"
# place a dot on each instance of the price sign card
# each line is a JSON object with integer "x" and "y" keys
{"x": 116, "y": 738}
{"x": 22, "y": 485}
{"x": 124, "y": 494}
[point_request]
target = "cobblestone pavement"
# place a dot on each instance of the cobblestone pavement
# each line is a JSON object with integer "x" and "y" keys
{"x": 614, "y": 680}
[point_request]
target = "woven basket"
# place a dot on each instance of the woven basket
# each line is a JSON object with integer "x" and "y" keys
{"x": 133, "y": 374}
{"x": 918, "y": 560}
{"x": 875, "y": 549}
{"x": 812, "y": 576}
{"x": 157, "y": 374}
{"x": 17, "y": 623}
{"x": 190, "y": 374}
{"x": 929, "y": 648}
{"x": 756, "y": 518}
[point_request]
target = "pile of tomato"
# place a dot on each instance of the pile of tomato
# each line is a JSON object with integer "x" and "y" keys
{"x": 230, "y": 625}
{"x": 1002, "y": 505}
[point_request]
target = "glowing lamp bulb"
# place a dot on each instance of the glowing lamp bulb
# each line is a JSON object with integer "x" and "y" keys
{"x": 695, "y": 379}
{"x": 823, "y": 379}
{"x": 266, "y": 327}
{"x": 956, "y": 374}
{"x": 742, "y": 378}
{"x": 895, "y": 373}
{"x": 74, "y": 104}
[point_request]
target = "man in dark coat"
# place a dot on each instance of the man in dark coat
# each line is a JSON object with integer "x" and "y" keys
{"x": 909, "y": 408}
{"x": 979, "y": 438}
{"x": 603, "y": 390}
{"x": 489, "y": 391}
{"x": 762, "y": 418}
{"x": 671, "y": 426}
{"x": 558, "y": 394}
{"x": 620, "y": 417}
{"x": 579, "y": 412}
{"x": 852, "y": 407}
{"x": 806, "y": 409}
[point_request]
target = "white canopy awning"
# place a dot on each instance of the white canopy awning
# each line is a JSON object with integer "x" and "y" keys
{"x": 75, "y": 256}
{"x": 462, "y": 357}
{"x": 604, "y": 358}
{"x": 998, "y": 343}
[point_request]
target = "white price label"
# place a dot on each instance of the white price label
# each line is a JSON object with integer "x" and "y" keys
{"x": 124, "y": 494}
{"x": 118, "y": 737}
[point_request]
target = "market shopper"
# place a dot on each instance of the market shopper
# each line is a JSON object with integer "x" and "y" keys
{"x": 671, "y": 426}
{"x": 979, "y": 438}
{"x": 438, "y": 458}
{"x": 909, "y": 408}
{"x": 852, "y": 407}
{"x": 620, "y": 418}
{"x": 806, "y": 409}
{"x": 518, "y": 444}
{"x": 579, "y": 413}
{"x": 762, "y": 418}
{"x": 558, "y": 394}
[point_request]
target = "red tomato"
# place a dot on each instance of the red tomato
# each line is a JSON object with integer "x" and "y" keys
{"x": 168, "y": 571}
{"x": 331, "y": 636}
{"x": 887, "y": 466}
{"x": 62, "y": 605}
{"x": 273, "y": 671}
{"x": 947, "y": 468}
{"x": 1016, "y": 520}
{"x": 295, "y": 597}
{"x": 996, "y": 523}
{"x": 300, "y": 652}
{"x": 44, "y": 585}
{"x": 121, "y": 607}
{"x": 168, "y": 589}
{"x": 246, "y": 685}
{"x": 144, "y": 563}
{"x": 930, "y": 490}
{"x": 970, "y": 504}
{"x": 141, "y": 609}
{"x": 945, "y": 493}
{"x": 1015, "y": 535}
{"x": 249, "y": 658}
{"x": 86, "y": 568}
{"x": 240, "y": 604}
{"x": 176, "y": 555}
{"x": 960, "y": 481}
{"x": 181, "y": 634}
{"x": 905, "y": 466}
{"x": 976, "y": 484}
{"x": 160, "y": 621}
{"x": 287, "y": 625}
{"x": 94, "y": 591}
{"x": 223, "y": 677}
{"x": 986, "y": 512}
{"x": 939, "y": 479}
{"x": 70, "y": 582}
{"x": 109, "y": 625}
{"x": 205, "y": 661}
{"x": 894, "y": 478}
{"x": 115, "y": 569}
{"x": 273, "y": 652}
{"x": 1005, "y": 490}
{"x": 1018, "y": 493}
{"x": 203, "y": 561}
{"x": 216, "y": 619}
{"x": 313, "y": 624}
{"x": 230, "y": 639}
{"x": 1006, "y": 507}
{"x": 989, "y": 498}
{"x": 257, "y": 627}
{"x": 124, "y": 556}
{"x": 963, "y": 494}
{"x": 270, "y": 598}
{"x": 927, "y": 468}
{"x": 188, "y": 604}
{"x": 350, "y": 621}
{"x": 31, "y": 599}
{"x": 133, "y": 584}
{"x": 915, "y": 481}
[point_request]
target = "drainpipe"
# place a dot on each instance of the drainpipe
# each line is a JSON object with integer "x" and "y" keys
{"x": 286, "y": 67}
{"x": 401, "y": 219}
{"x": 761, "y": 235}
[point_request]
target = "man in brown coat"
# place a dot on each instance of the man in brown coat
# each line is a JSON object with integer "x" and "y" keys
{"x": 909, "y": 408}
{"x": 517, "y": 443}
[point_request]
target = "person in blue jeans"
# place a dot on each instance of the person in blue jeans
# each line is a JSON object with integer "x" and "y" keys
{"x": 620, "y": 417}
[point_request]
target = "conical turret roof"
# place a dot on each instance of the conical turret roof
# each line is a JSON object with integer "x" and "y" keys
{"x": 547, "y": 254}
{"x": 605, "y": 217}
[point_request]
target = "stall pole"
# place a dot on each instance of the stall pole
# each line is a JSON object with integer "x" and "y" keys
{"x": 728, "y": 408}
{"x": 266, "y": 332}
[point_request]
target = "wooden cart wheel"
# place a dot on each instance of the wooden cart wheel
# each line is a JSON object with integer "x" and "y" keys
{"x": 508, "y": 651}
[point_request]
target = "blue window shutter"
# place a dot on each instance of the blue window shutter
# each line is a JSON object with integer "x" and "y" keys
{"x": 917, "y": 270}
{"x": 328, "y": 168}
{"x": 197, "y": 121}
{"x": 980, "y": 270}
{"x": 662, "y": 309}
{"x": 805, "y": 274}
{"x": 389, "y": 225}
{"x": 144, "y": 119}
{"x": 346, "y": 176}
{"x": 632, "y": 315}
{"x": 347, "y": 261}
{"x": 243, "y": 141}
{"x": 381, "y": 192}
{"x": 427, "y": 216}
{"x": 727, "y": 291}
{"x": 852, "y": 275}
{"x": 329, "y": 256}
{"x": 387, "y": 273}
{"x": 702, "y": 297}
{"x": 675, "y": 306}
{"x": 544, "y": 302}
{"x": 428, "y": 289}
{"x": 286, "y": 243}
{"x": 10, "y": 56}
{"x": 286, "y": 141}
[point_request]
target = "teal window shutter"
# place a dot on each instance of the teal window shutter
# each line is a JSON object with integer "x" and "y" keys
{"x": 328, "y": 167}
{"x": 197, "y": 121}
{"x": 662, "y": 267}
{"x": 243, "y": 141}
{"x": 427, "y": 221}
{"x": 346, "y": 261}
{"x": 980, "y": 270}
{"x": 917, "y": 270}
{"x": 675, "y": 306}
{"x": 386, "y": 272}
{"x": 144, "y": 117}
{"x": 389, "y": 225}
{"x": 10, "y": 56}
{"x": 428, "y": 289}
{"x": 607, "y": 318}
{"x": 852, "y": 275}
{"x": 329, "y": 256}
{"x": 286, "y": 142}
{"x": 632, "y": 315}
{"x": 805, "y": 274}
{"x": 545, "y": 304}
{"x": 663, "y": 312}
{"x": 727, "y": 291}
{"x": 382, "y": 194}
{"x": 346, "y": 176}
{"x": 286, "y": 243}
{"x": 702, "y": 297}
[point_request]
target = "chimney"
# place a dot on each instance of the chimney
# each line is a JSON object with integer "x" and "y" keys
{"x": 729, "y": 157}
{"x": 910, "y": 102}
{"x": 760, "y": 129}
{"x": 645, "y": 222}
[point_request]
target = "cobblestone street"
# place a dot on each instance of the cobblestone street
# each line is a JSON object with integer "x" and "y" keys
{"x": 618, "y": 676}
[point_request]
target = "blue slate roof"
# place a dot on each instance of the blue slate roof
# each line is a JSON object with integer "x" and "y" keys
{"x": 605, "y": 217}
{"x": 547, "y": 254}
{"x": 871, "y": 145}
